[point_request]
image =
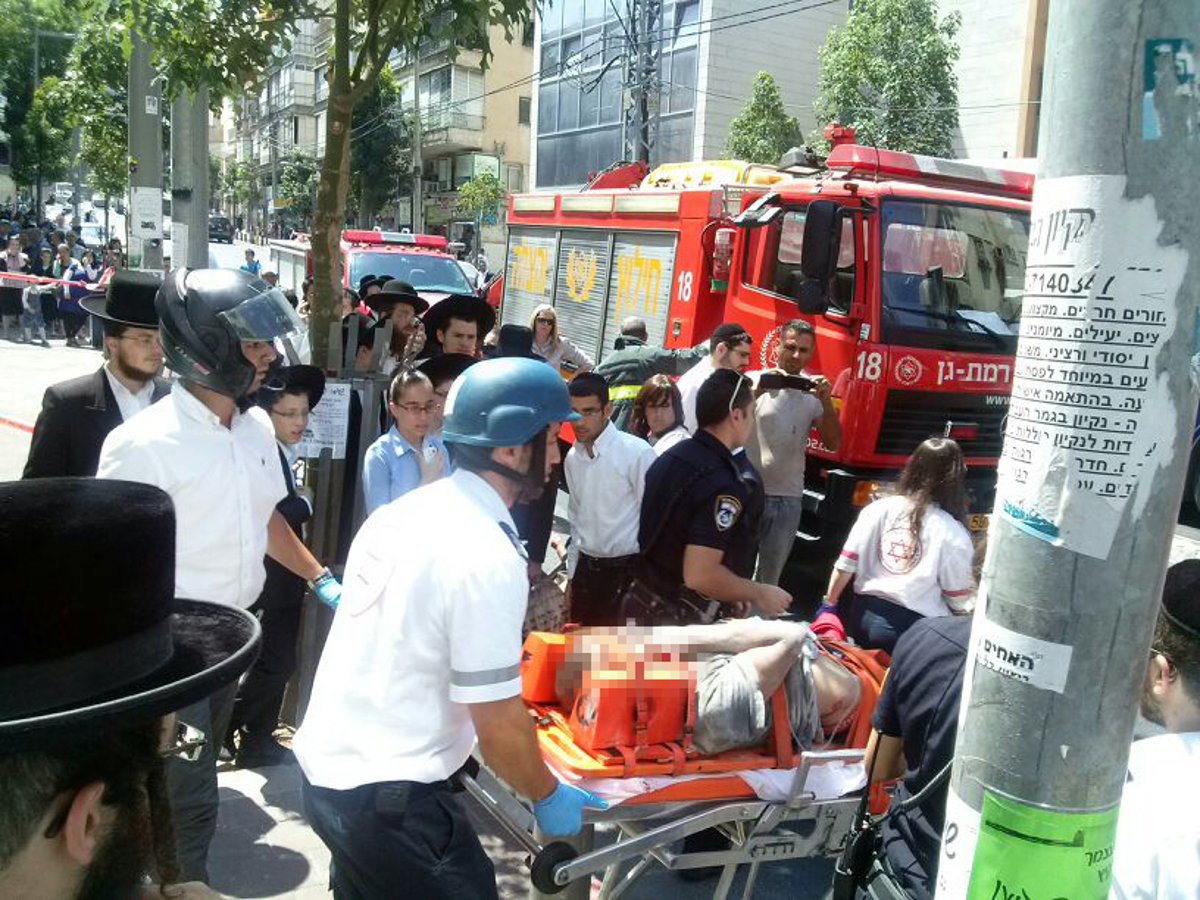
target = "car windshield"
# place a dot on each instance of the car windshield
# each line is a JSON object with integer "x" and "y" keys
{"x": 953, "y": 276}
{"x": 425, "y": 272}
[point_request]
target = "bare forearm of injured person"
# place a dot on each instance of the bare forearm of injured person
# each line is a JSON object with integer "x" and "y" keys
{"x": 705, "y": 573}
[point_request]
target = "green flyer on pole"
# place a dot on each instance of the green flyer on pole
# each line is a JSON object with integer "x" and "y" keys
{"x": 1031, "y": 853}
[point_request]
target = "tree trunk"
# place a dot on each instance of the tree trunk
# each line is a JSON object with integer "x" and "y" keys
{"x": 331, "y": 193}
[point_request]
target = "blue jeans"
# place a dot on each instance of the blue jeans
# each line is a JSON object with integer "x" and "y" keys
{"x": 777, "y": 533}
{"x": 877, "y": 624}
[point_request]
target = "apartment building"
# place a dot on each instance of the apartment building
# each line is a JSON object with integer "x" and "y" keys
{"x": 709, "y": 51}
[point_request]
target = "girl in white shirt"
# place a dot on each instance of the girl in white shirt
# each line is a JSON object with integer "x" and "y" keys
{"x": 909, "y": 555}
{"x": 658, "y": 414}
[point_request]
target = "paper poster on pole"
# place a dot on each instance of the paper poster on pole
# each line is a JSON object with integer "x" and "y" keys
{"x": 1091, "y": 416}
{"x": 145, "y": 212}
{"x": 329, "y": 423}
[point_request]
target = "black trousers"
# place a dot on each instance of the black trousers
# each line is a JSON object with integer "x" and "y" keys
{"x": 597, "y": 587}
{"x": 399, "y": 839}
{"x": 260, "y": 695}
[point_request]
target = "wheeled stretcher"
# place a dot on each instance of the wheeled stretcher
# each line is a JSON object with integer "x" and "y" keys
{"x": 771, "y": 802}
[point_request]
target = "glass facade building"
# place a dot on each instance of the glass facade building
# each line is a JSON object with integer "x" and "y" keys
{"x": 579, "y": 108}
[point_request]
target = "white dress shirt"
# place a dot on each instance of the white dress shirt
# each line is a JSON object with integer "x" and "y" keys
{"x": 224, "y": 483}
{"x": 689, "y": 384}
{"x": 606, "y": 493}
{"x": 1157, "y": 852}
{"x": 129, "y": 402}
{"x": 430, "y": 621}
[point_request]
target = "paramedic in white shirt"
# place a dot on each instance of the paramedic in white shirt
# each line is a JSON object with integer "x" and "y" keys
{"x": 221, "y": 470}
{"x": 606, "y": 477}
{"x": 909, "y": 555}
{"x": 731, "y": 346}
{"x": 1157, "y": 850}
{"x": 783, "y": 419}
{"x": 424, "y": 657}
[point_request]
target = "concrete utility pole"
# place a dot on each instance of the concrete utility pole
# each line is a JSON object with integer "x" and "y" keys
{"x": 1096, "y": 447}
{"x": 418, "y": 211}
{"x": 189, "y": 180}
{"x": 642, "y": 54}
{"x": 144, "y": 216}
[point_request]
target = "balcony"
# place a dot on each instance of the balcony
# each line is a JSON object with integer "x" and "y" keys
{"x": 450, "y": 131}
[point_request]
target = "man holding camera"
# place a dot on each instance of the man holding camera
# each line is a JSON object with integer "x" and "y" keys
{"x": 788, "y": 405}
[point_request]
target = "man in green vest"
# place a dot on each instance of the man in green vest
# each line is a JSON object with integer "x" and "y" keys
{"x": 628, "y": 367}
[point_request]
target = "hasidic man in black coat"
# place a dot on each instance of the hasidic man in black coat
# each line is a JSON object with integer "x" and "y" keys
{"x": 78, "y": 414}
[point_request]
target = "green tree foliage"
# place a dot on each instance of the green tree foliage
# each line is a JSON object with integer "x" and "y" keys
{"x": 17, "y": 27}
{"x": 96, "y": 84}
{"x": 244, "y": 185}
{"x": 42, "y": 145}
{"x": 379, "y": 149}
{"x": 482, "y": 194}
{"x": 297, "y": 184}
{"x": 889, "y": 72}
{"x": 216, "y": 183}
{"x": 763, "y": 131}
{"x": 365, "y": 34}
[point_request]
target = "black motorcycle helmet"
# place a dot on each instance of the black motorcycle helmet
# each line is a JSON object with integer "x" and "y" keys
{"x": 206, "y": 314}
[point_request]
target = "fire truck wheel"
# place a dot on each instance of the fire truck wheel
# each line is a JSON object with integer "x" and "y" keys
{"x": 542, "y": 868}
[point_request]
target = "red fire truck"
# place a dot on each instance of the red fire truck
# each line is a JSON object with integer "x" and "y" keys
{"x": 911, "y": 270}
{"x": 420, "y": 259}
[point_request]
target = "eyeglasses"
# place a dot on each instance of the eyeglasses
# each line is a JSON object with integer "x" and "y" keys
{"x": 737, "y": 389}
{"x": 416, "y": 408}
{"x": 142, "y": 340}
{"x": 541, "y": 321}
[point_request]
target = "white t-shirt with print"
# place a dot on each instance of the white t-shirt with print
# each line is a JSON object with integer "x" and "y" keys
{"x": 931, "y": 575}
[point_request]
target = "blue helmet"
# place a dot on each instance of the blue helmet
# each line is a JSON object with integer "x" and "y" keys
{"x": 505, "y": 402}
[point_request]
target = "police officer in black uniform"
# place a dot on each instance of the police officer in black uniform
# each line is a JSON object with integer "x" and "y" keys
{"x": 699, "y": 521}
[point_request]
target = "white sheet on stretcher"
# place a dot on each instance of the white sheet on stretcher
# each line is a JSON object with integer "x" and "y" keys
{"x": 826, "y": 781}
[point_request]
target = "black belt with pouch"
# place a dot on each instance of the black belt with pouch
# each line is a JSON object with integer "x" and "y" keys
{"x": 646, "y": 606}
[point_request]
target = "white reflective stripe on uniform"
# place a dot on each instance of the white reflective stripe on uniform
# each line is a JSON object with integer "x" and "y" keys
{"x": 487, "y": 676}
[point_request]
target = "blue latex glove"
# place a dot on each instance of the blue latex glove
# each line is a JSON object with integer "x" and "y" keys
{"x": 327, "y": 589}
{"x": 826, "y": 608}
{"x": 561, "y": 813}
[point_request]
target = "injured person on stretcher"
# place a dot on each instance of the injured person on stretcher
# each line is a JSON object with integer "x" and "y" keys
{"x": 736, "y": 666}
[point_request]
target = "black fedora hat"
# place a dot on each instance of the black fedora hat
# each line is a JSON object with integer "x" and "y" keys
{"x": 128, "y": 299}
{"x": 516, "y": 340}
{"x": 308, "y": 379}
{"x": 397, "y": 291}
{"x": 370, "y": 281}
{"x": 103, "y": 642}
{"x": 460, "y": 306}
{"x": 445, "y": 366}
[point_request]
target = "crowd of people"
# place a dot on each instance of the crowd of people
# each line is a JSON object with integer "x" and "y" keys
{"x": 684, "y": 499}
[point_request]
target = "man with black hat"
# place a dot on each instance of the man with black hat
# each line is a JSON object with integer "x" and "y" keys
{"x": 400, "y": 302}
{"x": 250, "y": 734}
{"x": 1157, "y": 850}
{"x": 221, "y": 468}
{"x": 423, "y": 658}
{"x": 459, "y": 323}
{"x": 88, "y": 671}
{"x": 79, "y": 413}
{"x": 730, "y": 347}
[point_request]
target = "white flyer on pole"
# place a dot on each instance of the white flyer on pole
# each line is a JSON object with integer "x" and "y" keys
{"x": 329, "y": 424}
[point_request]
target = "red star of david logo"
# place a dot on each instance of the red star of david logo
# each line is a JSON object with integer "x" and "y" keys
{"x": 900, "y": 551}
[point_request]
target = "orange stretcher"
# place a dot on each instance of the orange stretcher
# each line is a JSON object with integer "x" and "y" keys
{"x": 700, "y": 792}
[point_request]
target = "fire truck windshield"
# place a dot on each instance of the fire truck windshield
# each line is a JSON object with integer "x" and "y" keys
{"x": 424, "y": 271}
{"x": 953, "y": 276}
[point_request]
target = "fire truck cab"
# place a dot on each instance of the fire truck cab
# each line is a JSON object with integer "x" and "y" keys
{"x": 910, "y": 269}
{"x": 420, "y": 259}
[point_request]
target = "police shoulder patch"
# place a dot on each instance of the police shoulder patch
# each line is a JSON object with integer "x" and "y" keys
{"x": 726, "y": 511}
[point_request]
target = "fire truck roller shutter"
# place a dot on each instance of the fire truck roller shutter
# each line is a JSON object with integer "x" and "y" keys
{"x": 642, "y": 283}
{"x": 529, "y": 273}
{"x": 583, "y": 274}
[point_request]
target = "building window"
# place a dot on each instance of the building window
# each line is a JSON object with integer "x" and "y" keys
{"x": 514, "y": 178}
{"x": 295, "y": 130}
{"x": 527, "y": 35}
{"x": 523, "y": 104}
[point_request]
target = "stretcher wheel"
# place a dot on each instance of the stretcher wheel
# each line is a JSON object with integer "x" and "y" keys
{"x": 542, "y": 869}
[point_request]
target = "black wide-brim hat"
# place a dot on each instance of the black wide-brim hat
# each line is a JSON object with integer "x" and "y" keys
{"x": 460, "y": 306}
{"x": 445, "y": 366}
{"x": 128, "y": 299}
{"x": 104, "y": 642}
{"x": 516, "y": 340}
{"x": 396, "y": 291}
{"x": 370, "y": 281}
{"x": 289, "y": 379}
